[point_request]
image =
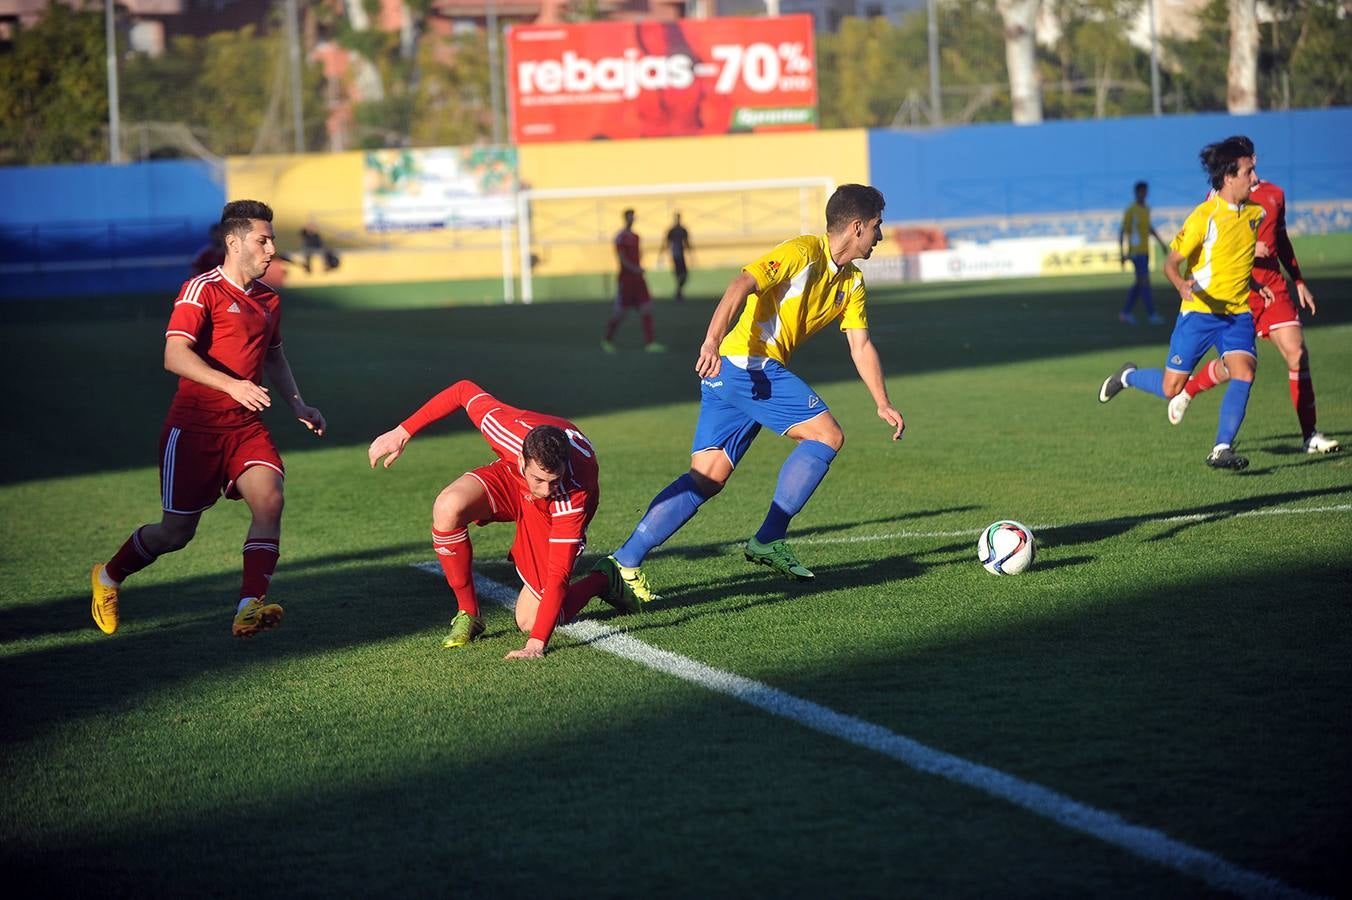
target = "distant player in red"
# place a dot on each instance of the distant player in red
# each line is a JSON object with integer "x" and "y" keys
{"x": 631, "y": 290}
{"x": 544, "y": 480}
{"x": 209, "y": 255}
{"x": 1278, "y": 321}
{"x": 224, "y": 334}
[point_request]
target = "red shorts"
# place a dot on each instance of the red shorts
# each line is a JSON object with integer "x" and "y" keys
{"x": 197, "y": 467}
{"x": 632, "y": 290}
{"x": 511, "y": 503}
{"x": 1281, "y": 314}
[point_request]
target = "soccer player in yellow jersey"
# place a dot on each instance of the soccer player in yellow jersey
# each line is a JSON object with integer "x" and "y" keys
{"x": 1217, "y": 243}
{"x": 1133, "y": 240}
{"x": 771, "y": 307}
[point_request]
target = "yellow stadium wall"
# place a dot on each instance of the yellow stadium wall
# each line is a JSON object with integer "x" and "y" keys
{"x": 328, "y": 189}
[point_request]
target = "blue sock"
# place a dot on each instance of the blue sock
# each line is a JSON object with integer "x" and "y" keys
{"x": 1131, "y": 298}
{"x": 1232, "y": 410}
{"x": 670, "y": 509}
{"x": 1149, "y": 302}
{"x": 1149, "y": 380}
{"x": 798, "y": 478}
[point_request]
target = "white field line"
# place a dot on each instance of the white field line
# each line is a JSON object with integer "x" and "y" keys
{"x": 972, "y": 532}
{"x": 1143, "y": 842}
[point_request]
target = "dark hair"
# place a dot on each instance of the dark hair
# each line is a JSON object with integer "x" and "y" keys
{"x": 850, "y": 202}
{"x": 1141, "y": 186}
{"x": 547, "y": 447}
{"x": 238, "y": 215}
{"x": 628, "y": 213}
{"x": 1222, "y": 158}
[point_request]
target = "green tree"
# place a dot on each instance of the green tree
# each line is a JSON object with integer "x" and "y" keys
{"x": 54, "y": 91}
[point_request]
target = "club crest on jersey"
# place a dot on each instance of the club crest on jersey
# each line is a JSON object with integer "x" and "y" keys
{"x": 840, "y": 296}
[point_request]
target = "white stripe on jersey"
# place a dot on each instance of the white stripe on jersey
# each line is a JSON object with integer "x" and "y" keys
{"x": 565, "y": 540}
{"x": 195, "y": 286}
{"x": 191, "y": 337}
{"x": 475, "y": 397}
{"x": 497, "y": 433}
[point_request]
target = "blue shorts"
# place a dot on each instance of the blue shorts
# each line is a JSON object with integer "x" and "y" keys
{"x": 736, "y": 402}
{"x": 1142, "y": 263}
{"x": 1197, "y": 332}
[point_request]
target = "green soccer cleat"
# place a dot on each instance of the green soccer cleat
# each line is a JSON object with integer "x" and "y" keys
{"x": 464, "y": 628}
{"x": 619, "y": 593}
{"x": 777, "y": 556}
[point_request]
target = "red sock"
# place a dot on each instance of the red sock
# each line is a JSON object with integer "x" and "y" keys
{"x": 130, "y": 558}
{"x": 611, "y": 327}
{"x": 581, "y": 591}
{"x": 260, "y": 558}
{"x": 456, "y": 555}
{"x": 1204, "y": 380}
{"x": 647, "y": 328}
{"x": 1302, "y": 398}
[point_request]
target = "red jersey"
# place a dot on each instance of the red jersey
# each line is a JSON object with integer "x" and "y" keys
{"x": 1272, "y": 231}
{"x": 569, "y": 510}
{"x": 626, "y": 245}
{"x": 232, "y": 329}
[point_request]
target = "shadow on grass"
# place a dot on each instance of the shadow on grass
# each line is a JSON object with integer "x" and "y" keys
{"x": 368, "y": 368}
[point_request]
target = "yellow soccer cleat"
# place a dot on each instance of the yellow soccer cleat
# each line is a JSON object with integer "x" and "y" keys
{"x": 104, "y": 605}
{"x": 635, "y": 581}
{"x": 257, "y": 615}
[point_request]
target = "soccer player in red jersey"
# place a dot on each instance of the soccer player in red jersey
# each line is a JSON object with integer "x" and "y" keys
{"x": 544, "y": 480}
{"x": 631, "y": 290}
{"x": 224, "y": 334}
{"x": 1278, "y": 321}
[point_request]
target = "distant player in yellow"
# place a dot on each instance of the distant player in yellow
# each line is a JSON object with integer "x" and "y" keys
{"x": 771, "y": 307}
{"x": 1133, "y": 240}
{"x": 1217, "y": 243}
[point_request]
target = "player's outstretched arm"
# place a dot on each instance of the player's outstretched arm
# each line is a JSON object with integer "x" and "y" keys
{"x": 279, "y": 373}
{"x": 870, "y": 368}
{"x": 709, "y": 363}
{"x": 183, "y": 361}
{"x": 389, "y": 445}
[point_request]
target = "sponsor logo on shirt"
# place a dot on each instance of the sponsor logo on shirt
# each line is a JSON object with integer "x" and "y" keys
{"x": 234, "y": 308}
{"x": 1176, "y": 360}
{"x": 812, "y": 401}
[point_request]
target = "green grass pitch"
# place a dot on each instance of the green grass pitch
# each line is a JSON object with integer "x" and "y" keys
{"x": 1178, "y": 655}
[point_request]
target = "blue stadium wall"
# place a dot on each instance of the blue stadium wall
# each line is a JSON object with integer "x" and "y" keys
{"x": 1083, "y": 166}
{"x": 98, "y": 229}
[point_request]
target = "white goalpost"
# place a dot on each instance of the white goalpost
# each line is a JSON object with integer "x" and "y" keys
{"x": 719, "y": 212}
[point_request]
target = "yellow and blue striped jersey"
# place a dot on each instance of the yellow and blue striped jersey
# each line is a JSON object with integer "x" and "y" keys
{"x": 1136, "y": 226}
{"x": 1218, "y": 242}
{"x": 799, "y": 290}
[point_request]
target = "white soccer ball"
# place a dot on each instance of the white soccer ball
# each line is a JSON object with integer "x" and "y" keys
{"x": 1006, "y": 547}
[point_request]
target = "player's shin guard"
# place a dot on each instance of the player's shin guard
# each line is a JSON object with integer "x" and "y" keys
{"x": 1232, "y": 411}
{"x": 673, "y": 507}
{"x": 130, "y": 558}
{"x": 260, "y": 560}
{"x": 1151, "y": 381}
{"x": 798, "y": 478}
{"x": 1302, "y": 398}
{"x": 456, "y": 555}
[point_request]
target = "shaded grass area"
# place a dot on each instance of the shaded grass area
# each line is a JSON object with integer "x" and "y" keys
{"x": 1178, "y": 655}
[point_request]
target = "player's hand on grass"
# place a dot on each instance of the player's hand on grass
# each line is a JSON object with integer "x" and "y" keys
{"x": 249, "y": 395}
{"x": 311, "y": 418}
{"x": 1306, "y": 297}
{"x": 709, "y": 362}
{"x": 534, "y": 649}
{"x": 893, "y": 418}
{"x": 389, "y": 445}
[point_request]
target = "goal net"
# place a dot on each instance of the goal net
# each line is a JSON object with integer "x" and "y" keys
{"x": 563, "y": 231}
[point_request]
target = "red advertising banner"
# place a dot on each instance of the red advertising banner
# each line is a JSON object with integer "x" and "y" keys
{"x": 611, "y": 80}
